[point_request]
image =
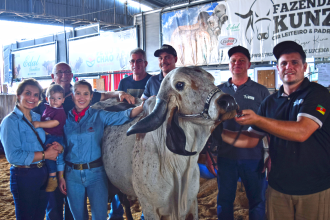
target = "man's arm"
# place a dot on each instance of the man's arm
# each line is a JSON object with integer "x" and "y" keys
{"x": 118, "y": 94}
{"x": 45, "y": 124}
{"x": 245, "y": 140}
{"x": 298, "y": 131}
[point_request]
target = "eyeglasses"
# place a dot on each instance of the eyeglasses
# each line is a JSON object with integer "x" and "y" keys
{"x": 66, "y": 72}
{"x": 136, "y": 61}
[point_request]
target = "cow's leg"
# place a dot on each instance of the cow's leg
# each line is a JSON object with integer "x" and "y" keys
{"x": 149, "y": 212}
{"x": 193, "y": 212}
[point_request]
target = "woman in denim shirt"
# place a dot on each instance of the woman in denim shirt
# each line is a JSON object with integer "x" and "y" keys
{"x": 84, "y": 170}
{"x": 28, "y": 173}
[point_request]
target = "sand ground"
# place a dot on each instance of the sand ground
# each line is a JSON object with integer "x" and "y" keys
{"x": 207, "y": 198}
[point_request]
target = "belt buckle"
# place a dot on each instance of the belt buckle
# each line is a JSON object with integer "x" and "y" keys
{"x": 39, "y": 165}
{"x": 79, "y": 166}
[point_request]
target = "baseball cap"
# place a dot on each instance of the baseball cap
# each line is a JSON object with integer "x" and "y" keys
{"x": 165, "y": 48}
{"x": 288, "y": 45}
{"x": 239, "y": 49}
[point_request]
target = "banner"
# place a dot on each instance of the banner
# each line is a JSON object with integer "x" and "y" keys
{"x": 34, "y": 62}
{"x": 203, "y": 34}
{"x": 109, "y": 51}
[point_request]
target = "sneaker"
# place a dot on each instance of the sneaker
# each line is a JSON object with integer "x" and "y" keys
{"x": 52, "y": 184}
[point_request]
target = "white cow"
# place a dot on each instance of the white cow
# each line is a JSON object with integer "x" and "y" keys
{"x": 187, "y": 109}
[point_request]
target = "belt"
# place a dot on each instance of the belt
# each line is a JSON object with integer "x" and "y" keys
{"x": 38, "y": 165}
{"x": 93, "y": 164}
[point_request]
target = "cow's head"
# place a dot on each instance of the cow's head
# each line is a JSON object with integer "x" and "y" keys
{"x": 187, "y": 94}
{"x": 259, "y": 21}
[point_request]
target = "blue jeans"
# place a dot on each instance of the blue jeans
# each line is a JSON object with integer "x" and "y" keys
{"x": 51, "y": 165}
{"x": 254, "y": 182}
{"x": 54, "y": 210}
{"x": 28, "y": 188}
{"x": 94, "y": 183}
{"x": 117, "y": 210}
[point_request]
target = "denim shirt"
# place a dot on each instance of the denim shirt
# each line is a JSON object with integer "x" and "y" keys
{"x": 83, "y": 139}
{"x": 19, "y": 140}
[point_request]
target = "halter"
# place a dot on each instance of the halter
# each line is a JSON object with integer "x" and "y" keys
{"x": 205, "y": 112}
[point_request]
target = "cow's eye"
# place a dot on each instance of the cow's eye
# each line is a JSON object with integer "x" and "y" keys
{"x": 179, "y": 86}
{"x": 256, "y": 15}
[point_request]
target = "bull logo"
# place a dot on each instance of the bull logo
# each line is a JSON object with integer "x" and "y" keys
{"x": 259, "y": 21}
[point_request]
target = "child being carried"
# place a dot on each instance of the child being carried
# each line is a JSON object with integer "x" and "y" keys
{"x": 52, "y": 121}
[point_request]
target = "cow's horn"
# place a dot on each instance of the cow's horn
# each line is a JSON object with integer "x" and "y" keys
{"x": 152, "y": 121}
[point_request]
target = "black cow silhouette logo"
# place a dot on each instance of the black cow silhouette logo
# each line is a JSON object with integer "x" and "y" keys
{"x": 259, "y": 20}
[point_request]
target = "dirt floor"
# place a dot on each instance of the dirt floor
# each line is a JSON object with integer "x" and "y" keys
{"x": 207, "y": 198}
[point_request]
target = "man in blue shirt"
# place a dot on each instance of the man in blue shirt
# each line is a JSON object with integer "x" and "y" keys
{"x": 167, "y": 58}
{"x": 235, "y": 162}
{"x": 134, "y": 85}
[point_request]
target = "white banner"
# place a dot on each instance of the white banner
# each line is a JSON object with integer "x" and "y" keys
{"x": 107, "y": 52}
{"x": 34, "y": 62}
{"x": 203, "y": 34}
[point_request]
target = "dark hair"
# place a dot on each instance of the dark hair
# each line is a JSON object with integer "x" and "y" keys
{"x": 82, "y": 83}
{"x": 27, "y": 82}
{"x": 54, "y": 88}
{"x": 292, "y": 50}
{"x": 139, "y": 51}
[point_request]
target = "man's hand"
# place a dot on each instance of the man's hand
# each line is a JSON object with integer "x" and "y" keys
{"x": 123, "y": 95}
{"x": 35, "y": 124}
{"x": 248, "y": 117}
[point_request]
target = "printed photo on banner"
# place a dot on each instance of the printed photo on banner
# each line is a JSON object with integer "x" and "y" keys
{"x": 34, "y": 62}
{"x": 203, "y": 34}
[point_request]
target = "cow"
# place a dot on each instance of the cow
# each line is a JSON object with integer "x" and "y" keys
{"x": 193, "y": 42}
{"x": 157, "y": 161}
{"x": 259, "y": 20}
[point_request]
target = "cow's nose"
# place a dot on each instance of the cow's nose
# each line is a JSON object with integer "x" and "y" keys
{"x": 263, "y": 36}
{"x": 227, "y": 103}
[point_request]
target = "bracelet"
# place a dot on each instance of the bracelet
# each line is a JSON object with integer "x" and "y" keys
{"x": 43, "y": 155}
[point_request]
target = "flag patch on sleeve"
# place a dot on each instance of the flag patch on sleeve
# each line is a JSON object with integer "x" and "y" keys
{"x": 320, "y": 109}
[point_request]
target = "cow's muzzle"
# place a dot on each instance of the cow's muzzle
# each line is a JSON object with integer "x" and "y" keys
{"x": 227, "y": 103}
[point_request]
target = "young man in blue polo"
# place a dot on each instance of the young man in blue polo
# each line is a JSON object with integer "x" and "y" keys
{"x": 235, "y": 163}
{"x": 297, "y": 120}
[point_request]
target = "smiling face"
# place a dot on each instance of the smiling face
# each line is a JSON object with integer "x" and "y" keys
{"x": 56, "y": 99}
{"x": 138, "y": 64}
{"x": 81, "y": 97}
{"x": 29, "y": 98}
{"x": 167, "y": 62}
{"x": 239, "y": 65}
{"x": 63, "y": 75}
{"x": 291, "y": 68}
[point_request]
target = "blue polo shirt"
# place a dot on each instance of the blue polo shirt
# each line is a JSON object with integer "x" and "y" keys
{"x": 132, "y": 87}
{"x": 153, "y": 85}
{"x": 248, "y": 96}
{"x": 299, "y": 168}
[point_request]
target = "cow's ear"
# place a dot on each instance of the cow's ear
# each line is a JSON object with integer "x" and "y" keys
{"x": 175, "y": 137}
